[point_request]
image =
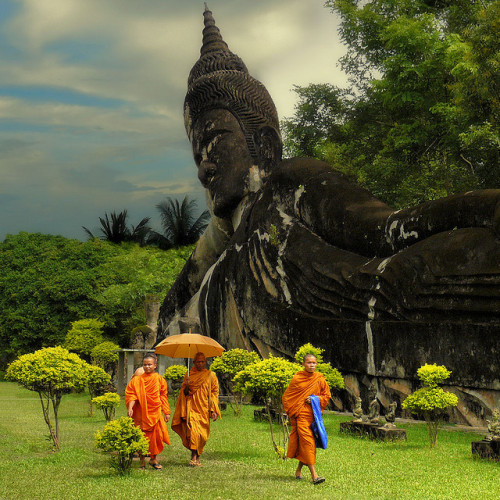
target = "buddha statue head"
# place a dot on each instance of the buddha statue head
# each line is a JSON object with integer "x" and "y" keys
{"x": 231, "y": 122}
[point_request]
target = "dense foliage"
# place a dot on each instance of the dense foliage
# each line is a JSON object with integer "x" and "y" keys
{"x": 431, "y": 401}
{"x": 420, "y": 119}
{"x": 51, "y": 372}
{"x": 48, "y": 282}
{"x": 121, "y": 438}
{"x": 84, "y": 335}
{"x": 105, "y": 354}
{"x": 175, "y": 372}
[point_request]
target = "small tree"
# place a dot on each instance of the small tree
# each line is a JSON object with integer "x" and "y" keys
{"x": 431, "y": 400}
{"x": 105, "y": 354}
{"x": 108, "y": 403}
{"x": 175, "y": 374}
{"x": 227, "y": 366}
{"x": 98, "y": 379}
{"x": 52, "y": 372}
{"x": 268, "y": 379}
{"x": 122, "y": 439}
{"x": 83, "y": 336}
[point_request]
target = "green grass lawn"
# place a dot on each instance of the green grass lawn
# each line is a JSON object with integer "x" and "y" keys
{"x": 238, "y": 462}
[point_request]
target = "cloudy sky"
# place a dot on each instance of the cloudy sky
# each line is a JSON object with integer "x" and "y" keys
{"x": 91, "y": 97}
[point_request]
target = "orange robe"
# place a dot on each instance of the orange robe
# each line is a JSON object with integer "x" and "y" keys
{"x": 301, "y": 444}
{"x": 150, "y": 392}
{"x": 192, "y": 413}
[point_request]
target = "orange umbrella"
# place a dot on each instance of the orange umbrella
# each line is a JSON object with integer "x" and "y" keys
{"x": 187, "y": 345}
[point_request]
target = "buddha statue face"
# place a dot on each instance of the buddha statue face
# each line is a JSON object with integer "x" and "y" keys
{"x": 225, "y": 166}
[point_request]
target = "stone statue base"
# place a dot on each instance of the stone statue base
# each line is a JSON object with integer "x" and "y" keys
{"x": 373, "y": 431}
{"x": 486, "y": 449}
{"x": 261, "y": 415}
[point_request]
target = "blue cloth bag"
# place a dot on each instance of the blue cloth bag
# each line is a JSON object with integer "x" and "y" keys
{"x": 318, "y": 427}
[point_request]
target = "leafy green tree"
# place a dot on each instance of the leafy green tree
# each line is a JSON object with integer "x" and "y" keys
{"x": 47, "y": 282}
{"x": 268, "y": 380}
{"x": 420, "y": 118}
{"x": 227, "y": 366}
{"x": 175, "y": 373}
{"x": 115, "y": 229}
{"x": 121, "y": 439}
{"x": 108, "y": 403}
{"x": 105, "y": 354}
{"x": 431, "y": 401}
{"x": 51, "y": 372}
{"x": 179, "y": 223}
{"x": 84, "y": 335}
{"x": 97, "y": 381}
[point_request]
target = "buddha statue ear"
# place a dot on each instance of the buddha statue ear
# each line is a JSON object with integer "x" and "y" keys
{"x": 269, "y": 148}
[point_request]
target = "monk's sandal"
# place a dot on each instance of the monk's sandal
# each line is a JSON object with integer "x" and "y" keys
{"x": 319, "y": 480}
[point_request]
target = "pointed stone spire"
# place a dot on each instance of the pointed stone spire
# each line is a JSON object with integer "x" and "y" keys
{"x": 212, "y": 39}
{"x": 220, "y": 79}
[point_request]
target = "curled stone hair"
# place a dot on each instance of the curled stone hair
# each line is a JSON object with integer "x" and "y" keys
{"x": 220, "y": 79}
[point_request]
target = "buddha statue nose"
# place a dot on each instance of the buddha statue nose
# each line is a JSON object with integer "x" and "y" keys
{"x": 206, "y": 172}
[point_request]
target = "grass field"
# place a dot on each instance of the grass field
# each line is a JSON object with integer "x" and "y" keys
{"x": 238, "y": 462}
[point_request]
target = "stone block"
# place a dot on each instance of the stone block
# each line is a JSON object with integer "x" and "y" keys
{"x": 373, "y": 431}
{"x": 486, "y": 449}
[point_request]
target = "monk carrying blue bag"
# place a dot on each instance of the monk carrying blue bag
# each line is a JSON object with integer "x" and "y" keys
{"x": 318, "y": 427}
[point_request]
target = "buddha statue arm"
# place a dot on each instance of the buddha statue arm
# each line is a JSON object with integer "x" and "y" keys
{"x": 208, "y": 249}
{"x": 348, "y": 216}
{"x": 472, "y": 209}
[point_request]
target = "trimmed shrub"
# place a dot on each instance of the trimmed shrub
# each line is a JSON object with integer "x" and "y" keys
{"x": 121, "y": 438}
{"x": 52, "y": 372}
{"x": 108, "y": 403}
{"x": 431, "y": 401}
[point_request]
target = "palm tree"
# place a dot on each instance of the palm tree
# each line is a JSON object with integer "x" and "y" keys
{"x": 114, "y": 229}
{"x": 180, "y": 225}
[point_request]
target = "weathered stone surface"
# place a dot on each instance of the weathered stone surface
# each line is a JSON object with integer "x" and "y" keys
{"x": 374, "y": 431}
{"x": 486, "y": 449}
{"x": 297, "y": 253}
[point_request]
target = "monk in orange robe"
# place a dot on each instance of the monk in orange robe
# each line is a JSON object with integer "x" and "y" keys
{"x": 297, "y": 404}
{"x": 146, "y": 397}
{"x": 198, "y": 403}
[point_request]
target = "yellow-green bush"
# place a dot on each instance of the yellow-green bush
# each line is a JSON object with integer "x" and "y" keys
{"x": 175, "y": 372}
{"x": 431, "y": 401}
{"x": 84, "y": 335}
{"x": 122, "y": 439}
{"x": 52, "y": 372}
{"x": 105, "y": 354}
{"x": 309, "y": 349}
{"x": 108, "y": 403}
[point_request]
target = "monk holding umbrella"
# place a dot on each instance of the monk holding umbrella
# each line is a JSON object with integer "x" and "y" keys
{"x": 198, "y": 401}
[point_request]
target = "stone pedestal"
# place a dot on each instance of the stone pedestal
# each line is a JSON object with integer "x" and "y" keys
{"x": 486, "y": 449}
{"x": 373, "y": 431}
